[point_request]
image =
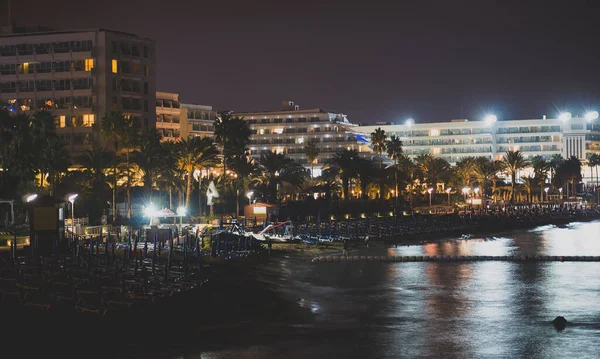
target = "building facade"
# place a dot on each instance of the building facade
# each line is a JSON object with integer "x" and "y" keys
{"x": 175, "y": 120}
{"x": 80, "y": 76}
{"x": 579, "y": 137}
{"x": 290, "y": 129}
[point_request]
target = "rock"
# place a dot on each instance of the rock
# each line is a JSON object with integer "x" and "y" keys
{"x": 559, "y": 323}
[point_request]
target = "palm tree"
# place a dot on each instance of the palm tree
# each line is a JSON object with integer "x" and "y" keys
{"x": 378, "y": 139}
{"x": 553, "y": 164}
{"x": 485, "y": 171}
{"x": 512, "y": 162}
{"x": 364, "y": 172}
{"x": 465, "y": 169}
{"x": 393, "y": 147}
{"x": 123, "y": 132}
{"x": 150, "y": 157}
{"x": 433, "y": 169}
{"x": 343, "y": 164}
{"x": 247, "y": 170}
{"x": 279, "y": 169}
{"x": 530, "y": 184}
{"x": 312, "y": 153}
{"x": 195, "y": 153}
{"x": 232, "y": 134}
{"x": 540, "y": 169}
{"x": 594, "y": 162}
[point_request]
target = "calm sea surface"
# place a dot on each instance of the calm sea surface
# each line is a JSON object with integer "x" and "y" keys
{"x": 437, "y": 310}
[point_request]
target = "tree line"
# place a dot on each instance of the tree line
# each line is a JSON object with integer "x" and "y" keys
{"x": 125, "y": 158}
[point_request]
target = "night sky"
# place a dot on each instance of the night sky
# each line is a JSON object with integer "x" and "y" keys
{"x": 431, "y": 60}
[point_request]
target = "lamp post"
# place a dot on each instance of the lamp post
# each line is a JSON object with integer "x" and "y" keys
{"x": 465, "y": 190}
{"x": 198, "y": 177}
{"x": 560, "y": 191}
{"x": 430, "y": 192}
{"x": 546, "y": 190}
{"x": 249, "y": 195}
{"x": 476, "y": 190}
{"x": 448, "y": 192}
{"x": 72, "y": 200}
{"x": 181, "y": 212}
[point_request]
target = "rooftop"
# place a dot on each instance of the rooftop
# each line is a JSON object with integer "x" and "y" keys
{"x": 14, "y": 31}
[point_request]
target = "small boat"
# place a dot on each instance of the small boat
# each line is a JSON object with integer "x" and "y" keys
{"x": 287, "y": 236}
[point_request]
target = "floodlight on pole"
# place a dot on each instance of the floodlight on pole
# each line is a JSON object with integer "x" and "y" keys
{"x": 430, "y": 192}
{"x": 249, "y": 195}
{"x": 489, "y": 119}
{"x": 591, "y": 116}
{"x": 465, "y": 190}
{"x": 409, "y": 122}
{"x": 31, "y": 197}
{"x": 150, "y": 210}
{"x": 564, "y": 116}
{"x": 448, "y": 192}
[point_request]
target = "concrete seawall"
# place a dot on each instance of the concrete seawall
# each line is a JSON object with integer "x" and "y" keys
{"x": 386, "y": 259}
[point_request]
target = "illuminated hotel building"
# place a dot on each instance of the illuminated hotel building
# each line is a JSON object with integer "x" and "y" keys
{"x": 457, "y": 139}
{"x": 290, "y": 129}
{"x": 80, "y": 75}
{"x": 175, "y": 120}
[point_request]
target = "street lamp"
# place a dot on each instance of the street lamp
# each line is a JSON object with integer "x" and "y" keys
{"x": 564, "y": 116}
{"x": 181, "y": 212}
{"x": 249, "y": 195}
{"x": 31, "y": 197}
{"x": 198, "y": 176}
{"x": 560, "y": 190}
{"x": 591, "y": 116}
{"x": 490, "y": 119}
{"x": 71, "y": 199}
{"x": 476, "y": 190}
{"x": 430, "y": 192}
{"x": 465, "y": 190}
{"x": 409, "y": 122}
{"x": 448, "y": 191}
{"x": 546, "y": 190}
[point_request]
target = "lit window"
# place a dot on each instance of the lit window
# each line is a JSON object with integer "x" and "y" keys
{"x": 436, "y": 151}
{"x": 62, "y": 121}
{"x": 278, "y": 131}
{"x": 261, "y": 131}
{"x": 434, "y": 133}
{"x": 89, "y": 64}
{"x": 300, "y": 140}
{"x": 146, "y": 70}
{"x": 115, "y": 67}
{"x": 88, "y": 120}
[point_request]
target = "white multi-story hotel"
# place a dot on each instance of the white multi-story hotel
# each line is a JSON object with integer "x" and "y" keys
{"x": 566, "y": 136}
{"x": 290, "y": 129}
{"x": 175, "y": 120}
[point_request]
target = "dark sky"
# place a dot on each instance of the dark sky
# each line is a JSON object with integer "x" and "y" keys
{"x": 432, "y": 60}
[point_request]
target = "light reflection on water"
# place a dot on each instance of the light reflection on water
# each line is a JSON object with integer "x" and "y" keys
{"x": 433, "y": 309}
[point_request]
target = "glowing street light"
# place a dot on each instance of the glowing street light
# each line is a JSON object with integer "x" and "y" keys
{"x": 448, "y": 191}
{"x": 465, "y": 191}
{"x": 489, "y": 119}
{"x": 430, "y": 192}
{"x": 546, "y": 190}
{"x": 591, "y": 116}
{"x": 409, "y": 122}
{"x": 560, "y": 191}
{"x": 71, "y": 199}
{"x": 31, "y": 197}
{"x": 150, "y": 210}
{"x": 476, "y": 190}
{"x": 181, "y": 213}
{"x": 249, "y": 195}
{"x": 564, "y": 116}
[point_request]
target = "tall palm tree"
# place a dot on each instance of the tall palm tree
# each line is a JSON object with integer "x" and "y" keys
{"x": 433, "y": 169}
{"x": 465, "y": 169}
{"x": 530, "y": 184}
{"x": 553, "y": 164}
{"x": 485, "y": 171}
{"x": 122, "y": 131}
{"x": 594, "y": 162}
{"x": 232, "y": 134}
{"x": 150, "y": 157}
{"x": 540, "y": 169}
{"x": 365, "y": 173}
{"x": 279, "y": 169}
{"x": 344, "y": 165}
{"x": 312, "y": 153}
{"x": 393, "y": 147}
{"x": 378, "y": 138}
{"x": 247, "y": 170}
{"x": 512, "y": 162}
{"x": 195, "y": 153}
